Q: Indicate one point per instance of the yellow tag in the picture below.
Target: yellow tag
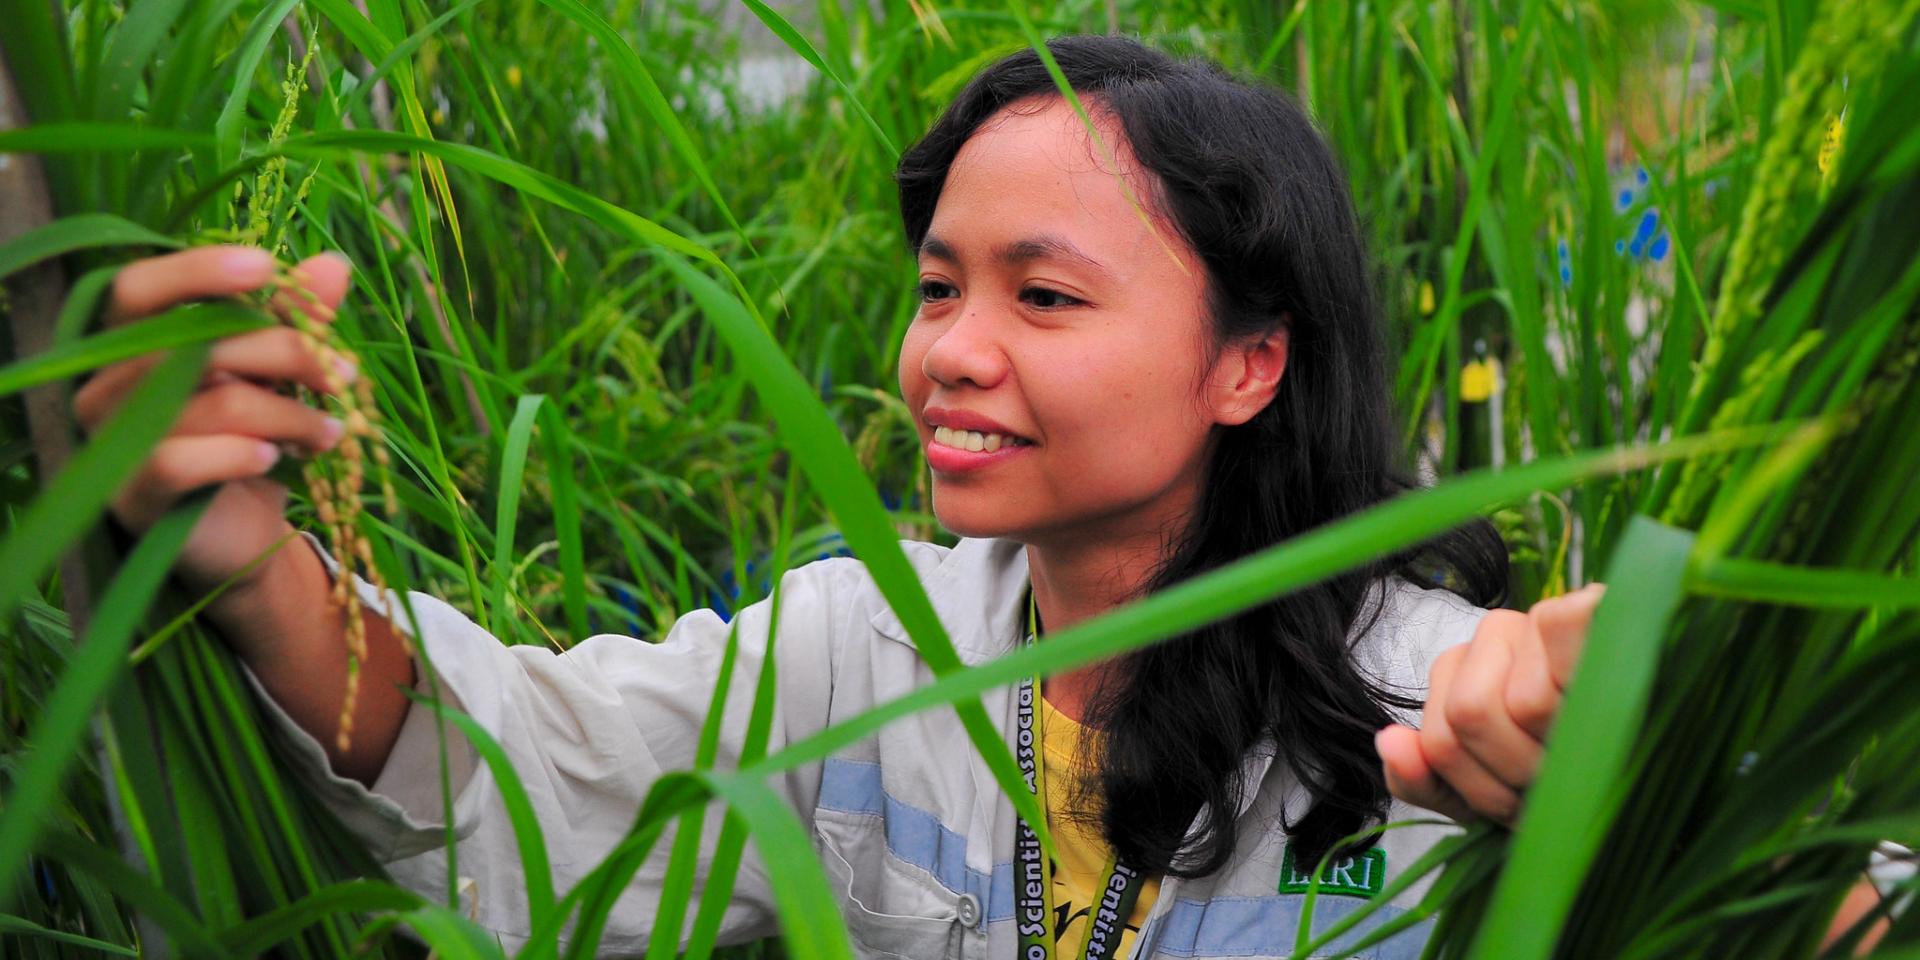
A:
(513, 76)
(1426, 297)
(1477, 380)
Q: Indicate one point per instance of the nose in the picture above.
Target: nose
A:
(967, 352)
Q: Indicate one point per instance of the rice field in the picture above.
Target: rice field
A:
(629, 288)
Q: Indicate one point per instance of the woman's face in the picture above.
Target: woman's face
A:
(1060, 369)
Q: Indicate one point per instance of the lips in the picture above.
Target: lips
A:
(963, 441)
(956, 419)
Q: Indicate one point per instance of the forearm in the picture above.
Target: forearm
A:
(285, 630)
(1863, 899)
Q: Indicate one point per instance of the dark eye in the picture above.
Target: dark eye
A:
(931, 290)
(1043, 298)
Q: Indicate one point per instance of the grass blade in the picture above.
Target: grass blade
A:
(1304, 560)
(98, 662)
(1576, 795)
(74, 500)
(180, 327)
(86, 231)
(513, 467)
(513, 795)
(818, 447)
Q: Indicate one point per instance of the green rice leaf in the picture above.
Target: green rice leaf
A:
(536, 868)
(267, 931)
(246, 60)
(566, 521)
(88, 137)
(74, 500)
(401, 51)
(810, 924)
(1275, 571)
(808, 432)
(86, 231)
(513, 466)
(106, 867)
(799, 44)
(665, 119)
(1757, 581)
(195, 323)
(669, 797)
(134, 43)
(452, 936)
(495, 167)
(83, 304)
(21, 926)
(1578, 790)
(36, 47)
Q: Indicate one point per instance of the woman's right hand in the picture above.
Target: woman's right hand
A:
(231, 430)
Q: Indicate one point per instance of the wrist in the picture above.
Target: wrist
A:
(250, 597)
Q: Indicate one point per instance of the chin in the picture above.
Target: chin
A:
(974, 520)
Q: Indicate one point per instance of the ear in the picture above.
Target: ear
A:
(1246, 376)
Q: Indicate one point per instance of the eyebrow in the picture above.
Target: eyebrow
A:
(1018, 252)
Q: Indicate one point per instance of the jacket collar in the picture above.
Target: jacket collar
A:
(975, 577)
(991, 576)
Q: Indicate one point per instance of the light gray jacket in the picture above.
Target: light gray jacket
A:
(915, 835)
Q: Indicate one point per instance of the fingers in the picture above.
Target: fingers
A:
(1410, 778)
(179, 465)
(1532, 695)
(326, 277)
(1490, 705)
(272, 355)
(1563, 622)
(145, 287)
(102, 394)
(275, 354)
(251, 411)
(1482, 789)
(1476, 703)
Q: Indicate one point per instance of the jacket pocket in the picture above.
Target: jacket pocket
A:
(893, 909)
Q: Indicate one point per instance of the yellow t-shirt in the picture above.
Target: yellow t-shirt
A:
(1083, 851)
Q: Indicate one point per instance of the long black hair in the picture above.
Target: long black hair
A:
(1253, 188)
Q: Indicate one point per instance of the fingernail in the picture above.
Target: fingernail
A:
(331, 431)
(348, 372)
(269, 454)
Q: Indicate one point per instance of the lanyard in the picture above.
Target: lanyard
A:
(1033, 873)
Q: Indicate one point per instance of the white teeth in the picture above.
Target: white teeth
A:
(973, 440)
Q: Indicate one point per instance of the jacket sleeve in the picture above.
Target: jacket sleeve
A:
(588, 731)
(1406, 628)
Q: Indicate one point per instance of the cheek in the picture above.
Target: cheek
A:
(1135, 418)
(913, 350)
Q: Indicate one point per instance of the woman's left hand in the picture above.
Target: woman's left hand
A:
(1490, 702)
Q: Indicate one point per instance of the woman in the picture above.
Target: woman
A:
(1135, 359)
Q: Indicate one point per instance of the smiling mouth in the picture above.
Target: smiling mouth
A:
(976, 441)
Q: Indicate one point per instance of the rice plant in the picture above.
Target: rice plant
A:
(626, 324)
